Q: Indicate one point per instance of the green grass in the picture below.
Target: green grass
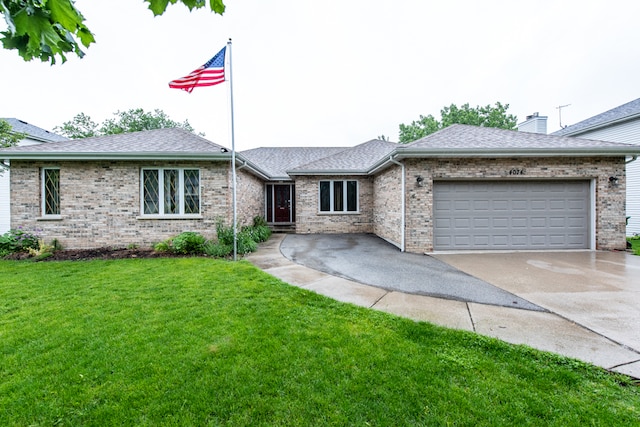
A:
(635, 244)
(195, 341)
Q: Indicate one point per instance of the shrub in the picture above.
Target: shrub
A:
(247, 237)
(43, 251)
(17, 241)
(259, 221)
(189, 243)
(217, 249)
(164, 246)
(246, 244)
(225, 234)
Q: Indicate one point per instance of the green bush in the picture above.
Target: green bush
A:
(189, 243)
(17, 240)
(259, 233)
(259, 221)
(248, 237)
(245, 243)
(217, 249)
(164, 246)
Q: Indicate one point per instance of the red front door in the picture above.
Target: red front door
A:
(282, 203)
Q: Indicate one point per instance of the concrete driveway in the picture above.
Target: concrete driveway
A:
(580, 304)
(597, 290)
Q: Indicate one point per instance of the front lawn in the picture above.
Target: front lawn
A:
(195, 341)
(635, 244)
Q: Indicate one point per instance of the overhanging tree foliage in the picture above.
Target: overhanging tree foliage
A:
(45, 29)
(8, 138)
(487, 116)
(134, 120)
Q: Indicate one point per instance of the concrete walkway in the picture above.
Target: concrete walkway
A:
(538, 329)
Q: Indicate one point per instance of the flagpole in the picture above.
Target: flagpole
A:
(233, 160)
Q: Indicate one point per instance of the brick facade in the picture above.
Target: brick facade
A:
(250, 196)
(609, 205)
(100, 203)
(309, 219)
(387, 205)
(100, 200)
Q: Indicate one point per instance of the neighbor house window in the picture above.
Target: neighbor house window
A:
(50, 191)
(338, 196)
(170, 191)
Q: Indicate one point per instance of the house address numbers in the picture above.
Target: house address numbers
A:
(516, 171)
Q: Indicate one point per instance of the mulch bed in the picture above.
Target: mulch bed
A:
(98, 253)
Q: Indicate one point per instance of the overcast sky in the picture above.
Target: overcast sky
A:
(338, 72)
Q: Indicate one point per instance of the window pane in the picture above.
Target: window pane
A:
(191, 191)
(171, 191)
(352, 196)
(150, 191)
(325, 196)
(269, 203)
(51, 191)
(338, 196)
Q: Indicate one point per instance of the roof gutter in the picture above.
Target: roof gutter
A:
(403, 204)
(112, 156)
(339, 172)
(251, 167)
(483, 153)
(601, 125)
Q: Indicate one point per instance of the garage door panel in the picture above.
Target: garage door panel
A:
(511, 215)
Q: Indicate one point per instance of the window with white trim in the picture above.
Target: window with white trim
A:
(50, 191)
(338, 196)
(170, 191)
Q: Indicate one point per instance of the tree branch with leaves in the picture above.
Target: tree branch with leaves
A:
(8, 137)
(46, 29)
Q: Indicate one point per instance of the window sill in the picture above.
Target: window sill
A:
(147, 217)
(50, 218)
(339, 213)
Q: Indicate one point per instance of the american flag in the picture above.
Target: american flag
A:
(210, 74)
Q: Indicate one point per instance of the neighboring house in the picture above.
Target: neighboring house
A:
(33, 135)
(620, 124)
(462, 188)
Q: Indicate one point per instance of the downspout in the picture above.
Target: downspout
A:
(404, 191)
(633, 159)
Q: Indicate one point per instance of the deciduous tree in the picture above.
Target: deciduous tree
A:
(8, 138)
(134, 120)
(488, 116)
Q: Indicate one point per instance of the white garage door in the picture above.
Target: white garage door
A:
(511, 215)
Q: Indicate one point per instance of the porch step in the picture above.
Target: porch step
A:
(283, 228)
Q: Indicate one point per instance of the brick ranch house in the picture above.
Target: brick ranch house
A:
(462, 188)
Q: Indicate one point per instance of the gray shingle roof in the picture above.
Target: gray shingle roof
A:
(276, 161)
(20, 126)
(359, 159)
(457, 140)
(620, 113)
(159, 143)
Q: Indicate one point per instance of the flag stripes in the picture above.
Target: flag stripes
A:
(209, 74)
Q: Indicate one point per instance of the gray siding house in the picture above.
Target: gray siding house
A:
(620, 124)
(462, 188)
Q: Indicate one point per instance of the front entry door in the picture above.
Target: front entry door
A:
(282, 203)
